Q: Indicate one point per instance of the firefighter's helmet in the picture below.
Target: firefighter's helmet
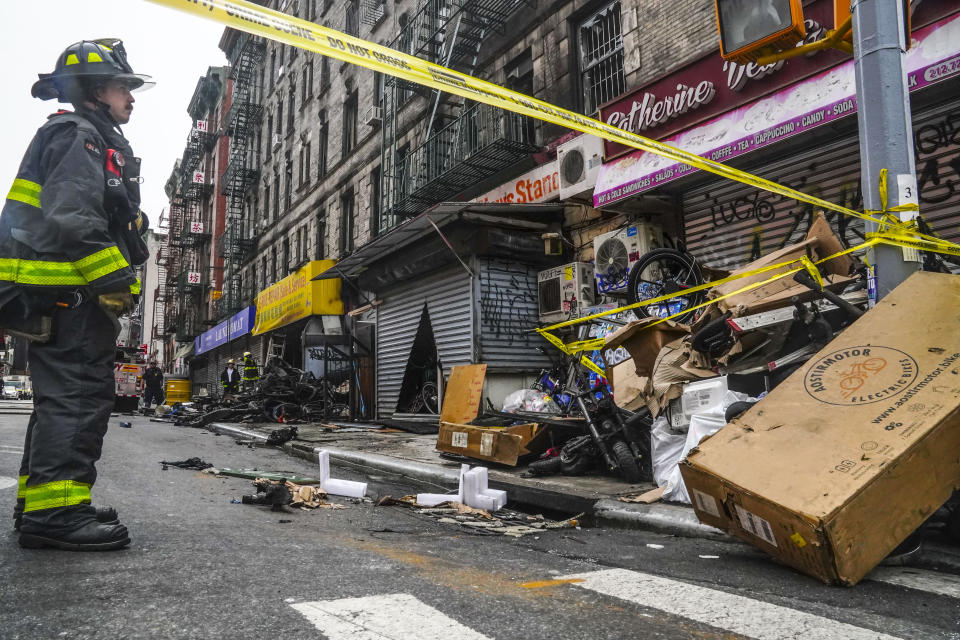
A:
(84, 63)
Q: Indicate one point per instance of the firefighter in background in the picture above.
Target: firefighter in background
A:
(152, 385)
(70, 231)
(230, 379)
(251, 372)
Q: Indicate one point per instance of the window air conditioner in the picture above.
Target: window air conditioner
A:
(616, 252)
(580, 160)
(372, 116)
(563, 291)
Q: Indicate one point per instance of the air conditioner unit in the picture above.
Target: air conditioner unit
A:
(616, 252)
(372, 116)
(277, 141)
(579, 162)
(564, 290)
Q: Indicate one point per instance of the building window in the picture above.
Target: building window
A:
(375, 202)
(288, 186)
(311, 10)
(349, 124)
(351, 22)
(346, 222)
(269, 136)
(322, 141)
(286, 256)
(273, 68)
(300, 166)
(306, 162)
(307, 87)
(264, 274)
(519, 72)
(273, 264)
(324, 73)
(280, 116)
(600, 52)
(276, 196)
(291, 101)
(320, 239)
(266, 203)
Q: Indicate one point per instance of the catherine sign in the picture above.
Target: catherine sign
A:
(789, 112)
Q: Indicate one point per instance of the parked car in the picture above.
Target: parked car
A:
(10, 393)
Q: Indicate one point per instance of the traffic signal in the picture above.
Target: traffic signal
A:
(750, 29)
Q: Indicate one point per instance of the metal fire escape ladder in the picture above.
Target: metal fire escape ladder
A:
(238, 178)
(450, 33)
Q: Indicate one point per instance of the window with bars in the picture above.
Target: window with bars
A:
(600, 53)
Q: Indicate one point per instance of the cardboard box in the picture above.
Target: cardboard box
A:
(849, 455)
(505, 445)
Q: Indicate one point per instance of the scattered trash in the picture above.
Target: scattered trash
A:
(481, 522)
(710, 557)
(284, 521)
(278, 437)
(654, 546)
(279, 493)
(253, 474)
(126, 425)
(189, 463)
(235, 501)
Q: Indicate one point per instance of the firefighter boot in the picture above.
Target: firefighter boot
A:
(104, 515)
(91, 536)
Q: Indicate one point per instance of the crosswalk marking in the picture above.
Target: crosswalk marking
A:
(738, 614)
(7, 448)
(397, 616)
(7, 482)
(943, 584)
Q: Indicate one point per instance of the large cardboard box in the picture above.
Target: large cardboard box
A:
(505, 445)
(849, 455)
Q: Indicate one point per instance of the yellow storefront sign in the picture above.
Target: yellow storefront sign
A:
(298, 296)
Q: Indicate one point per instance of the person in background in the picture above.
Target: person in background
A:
(152, 385)
(230, 379)
(251, 372)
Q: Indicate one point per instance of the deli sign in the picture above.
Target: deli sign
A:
(710, 86)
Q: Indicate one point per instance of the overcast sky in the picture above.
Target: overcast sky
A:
(173, 47)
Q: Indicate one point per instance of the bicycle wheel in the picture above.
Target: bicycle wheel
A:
(664, 272)
(430, 396)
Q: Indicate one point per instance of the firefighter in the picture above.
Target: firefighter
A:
(152, 385)
(251, 373)
(70, 230)
(230, 379)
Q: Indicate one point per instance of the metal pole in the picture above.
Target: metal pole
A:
(886, 131)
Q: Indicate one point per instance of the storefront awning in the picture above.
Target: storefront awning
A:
(443, 214)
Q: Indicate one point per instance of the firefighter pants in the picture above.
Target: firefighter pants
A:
(73, 388)
(151, 396)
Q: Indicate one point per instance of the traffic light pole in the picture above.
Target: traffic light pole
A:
(886, 132)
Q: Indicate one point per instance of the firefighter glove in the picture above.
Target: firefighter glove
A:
(117, 303)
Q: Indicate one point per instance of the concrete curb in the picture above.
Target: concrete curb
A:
(664, 518)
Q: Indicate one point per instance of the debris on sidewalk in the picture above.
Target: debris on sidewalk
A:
(505, 522)
(190, 463)
(839, 464)
(253, 474)
(472, 490)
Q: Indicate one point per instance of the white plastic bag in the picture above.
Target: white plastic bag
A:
(529, 400)
(666, 447)
(701, 425)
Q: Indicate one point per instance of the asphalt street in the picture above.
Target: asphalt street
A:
(201, 566)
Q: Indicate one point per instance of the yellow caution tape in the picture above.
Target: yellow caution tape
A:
(274, 25)
(293, 31)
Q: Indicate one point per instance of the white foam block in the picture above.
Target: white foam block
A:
(348, 488)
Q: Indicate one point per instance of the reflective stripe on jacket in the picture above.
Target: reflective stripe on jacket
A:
(250, 370)
(60, 226)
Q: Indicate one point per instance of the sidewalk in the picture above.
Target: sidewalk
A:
(370, 450)
(415, 458)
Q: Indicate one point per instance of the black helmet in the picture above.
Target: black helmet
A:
(90, 61)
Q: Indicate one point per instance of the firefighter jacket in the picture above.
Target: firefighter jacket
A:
(71, 220)
(153, 378)
(251, 372)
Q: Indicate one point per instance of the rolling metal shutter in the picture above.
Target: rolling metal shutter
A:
(448, 296)
(728, 224)
(508, 310)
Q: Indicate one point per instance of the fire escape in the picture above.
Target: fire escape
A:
(240, 176)
(464, 141)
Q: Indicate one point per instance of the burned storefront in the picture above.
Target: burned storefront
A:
(456, 285)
